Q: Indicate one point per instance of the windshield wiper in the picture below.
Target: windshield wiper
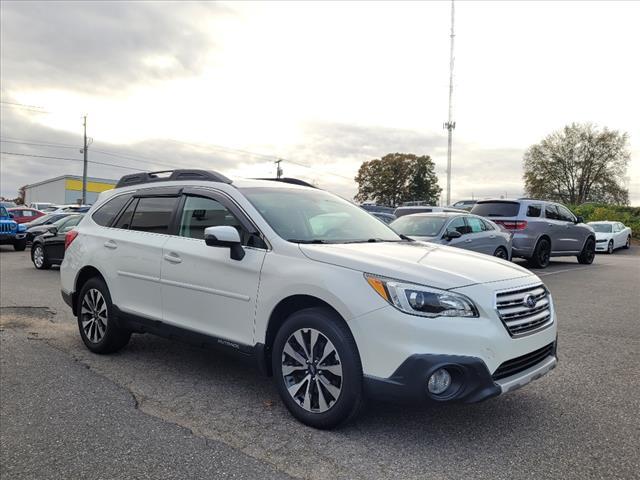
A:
(405, 238)
(315, 240)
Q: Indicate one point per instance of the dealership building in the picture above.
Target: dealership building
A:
(66, 189)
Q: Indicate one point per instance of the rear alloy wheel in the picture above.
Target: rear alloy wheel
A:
(541, 254)
(501, 253)
(610, 247)
(588, 252)
(628, 244)
(317, 369)
(99, 332)
(39, 257)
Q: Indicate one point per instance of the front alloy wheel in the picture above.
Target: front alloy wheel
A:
(588, 252)
(610, 247)
(311, 370)
(39, 258)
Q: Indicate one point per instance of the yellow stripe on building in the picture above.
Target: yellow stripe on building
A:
(91, 186)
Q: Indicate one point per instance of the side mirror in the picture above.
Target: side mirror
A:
(451, 234)
(225, 236)
(580, 219)
(53, 230)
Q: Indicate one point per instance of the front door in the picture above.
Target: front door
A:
(203, 288)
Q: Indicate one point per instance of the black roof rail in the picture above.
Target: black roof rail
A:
(293, 181)
(171, 175)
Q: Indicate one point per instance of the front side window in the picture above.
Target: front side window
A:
(199, 213)
(565, 214)
(475, 224)
(458, 224)
(153, 214)
(316, 216)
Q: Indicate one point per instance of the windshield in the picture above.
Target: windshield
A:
(316, 216)
(601, 227)
(3, 212)
(418, 225)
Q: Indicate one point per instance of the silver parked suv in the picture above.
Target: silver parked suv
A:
(541, 229)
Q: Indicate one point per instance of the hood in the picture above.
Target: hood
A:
(428, 264)
(603, 235)
(434, 239)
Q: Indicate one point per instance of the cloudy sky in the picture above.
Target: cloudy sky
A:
(325, 86)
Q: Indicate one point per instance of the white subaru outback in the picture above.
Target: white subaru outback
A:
(319, 293)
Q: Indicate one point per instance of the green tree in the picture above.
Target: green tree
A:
(397, 178)
(578, 164)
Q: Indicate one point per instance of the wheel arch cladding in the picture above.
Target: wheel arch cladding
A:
(285, 308)
(83, 276)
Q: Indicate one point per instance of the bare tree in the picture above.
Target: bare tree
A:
(579, 164)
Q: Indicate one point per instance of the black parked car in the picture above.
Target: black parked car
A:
(41, 225)
(48, 248)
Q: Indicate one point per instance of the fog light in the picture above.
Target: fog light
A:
(439, 381)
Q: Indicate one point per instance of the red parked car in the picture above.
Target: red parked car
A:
(24, 215)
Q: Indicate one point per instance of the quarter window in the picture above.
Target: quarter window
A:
(534, 210)
(105, 215)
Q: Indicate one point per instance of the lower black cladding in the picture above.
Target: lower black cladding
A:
(470, 380)
(519, 364)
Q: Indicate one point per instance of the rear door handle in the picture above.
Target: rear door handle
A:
(492, 236)
(111, 244)
(172, 257)
(550, 224)
(468, 240)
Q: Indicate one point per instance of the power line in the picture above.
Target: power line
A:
(31, 108)
(37, 142)
(74, 147)
(72, 160)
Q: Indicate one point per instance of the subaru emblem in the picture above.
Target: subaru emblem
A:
(530, 301)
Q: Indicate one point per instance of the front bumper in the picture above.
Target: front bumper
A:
(11, 239)
(602, 246)
(471, 380)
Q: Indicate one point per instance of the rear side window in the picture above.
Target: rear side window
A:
(153, 214)
(551, 212)
(105, 215)
(496, 209)
(488, 226)
(475, 224)
(534, 210)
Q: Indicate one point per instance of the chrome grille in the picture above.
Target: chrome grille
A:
(521, 318)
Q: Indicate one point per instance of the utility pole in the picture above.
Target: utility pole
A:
(84, 163)
(278, 169)
(450, 125)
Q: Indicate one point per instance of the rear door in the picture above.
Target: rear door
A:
(555, 228)
(55, 244)
(203, 288)
(478, 236)
(131, 250)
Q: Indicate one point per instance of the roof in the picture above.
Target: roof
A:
(72, 177)
(439, 214)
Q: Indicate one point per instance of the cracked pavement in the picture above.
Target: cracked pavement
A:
(164, 409)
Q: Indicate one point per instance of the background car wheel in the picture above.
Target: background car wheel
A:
(96, 321)
(628, 244)
(588, 252)
(317, 369)
(39, 257)
(610, 247)
(501, 252)
(20, 245)
(541, 254)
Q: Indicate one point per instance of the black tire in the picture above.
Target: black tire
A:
(20, 245)
(501, 252)
(98, 335)
(588, 252)
(541, 254)
(332, 333)
(628, 244)
(610, 247)
(39, 257)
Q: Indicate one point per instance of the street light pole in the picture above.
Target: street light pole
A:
(450, 125)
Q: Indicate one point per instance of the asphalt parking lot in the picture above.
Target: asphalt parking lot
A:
(164, 409)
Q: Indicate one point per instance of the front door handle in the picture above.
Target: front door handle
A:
(172, 257)
(468, 240)
(111, 244)
(492, 236)
(550, 224)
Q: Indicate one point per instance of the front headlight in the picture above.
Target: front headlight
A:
(420, 300)
(22, 228)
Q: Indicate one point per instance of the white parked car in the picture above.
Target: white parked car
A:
(611, 235)
(313, 289)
